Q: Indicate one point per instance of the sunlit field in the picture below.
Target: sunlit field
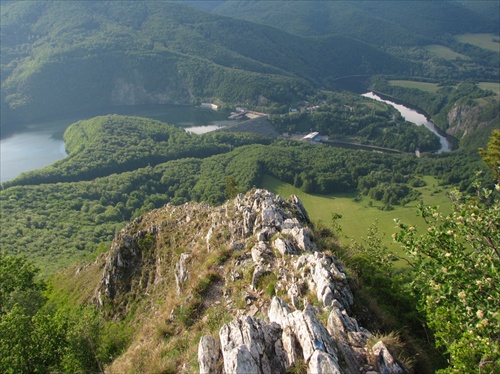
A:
(424, 86)
(445, 52)
(486, 41)
(490, 86)
(358, 216)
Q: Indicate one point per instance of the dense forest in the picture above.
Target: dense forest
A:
(112, 176)
(166, 52)
(404, 22)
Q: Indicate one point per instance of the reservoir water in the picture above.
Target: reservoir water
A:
(28, 151)
(41, 143)
(413, 116)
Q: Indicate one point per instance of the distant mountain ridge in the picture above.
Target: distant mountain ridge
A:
(60, 57)
(378, 22)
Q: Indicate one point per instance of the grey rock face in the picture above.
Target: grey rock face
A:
(384, 361)
(306, 329)
(249, 345)
(208, 354)
(181, 273)
(323, 363)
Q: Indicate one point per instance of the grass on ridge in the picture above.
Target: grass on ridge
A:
(358, 216)
(423, 86)
(490, 86)
(486, 41)
(445, 52)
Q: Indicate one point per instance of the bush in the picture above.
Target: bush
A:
(457, 267)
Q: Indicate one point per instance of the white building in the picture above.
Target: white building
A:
(311, 137)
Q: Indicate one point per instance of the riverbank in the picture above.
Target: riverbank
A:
(419, 119)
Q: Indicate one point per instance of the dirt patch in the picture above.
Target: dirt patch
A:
(258, 125)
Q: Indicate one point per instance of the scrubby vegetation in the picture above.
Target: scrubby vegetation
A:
(37, 335)
(456, 264)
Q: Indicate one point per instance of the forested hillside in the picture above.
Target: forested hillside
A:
(377, 22)
(405, 29)
(62, 57)
(144, 164)
(59, 57)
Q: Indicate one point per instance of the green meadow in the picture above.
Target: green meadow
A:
(358, 216)
(490, 86)
(434, 87)
(424, 86)
(486, 41)
(444, 52)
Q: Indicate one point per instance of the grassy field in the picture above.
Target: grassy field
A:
(444, 52)
(486, 41)
(490, 86)
(424, 86)
(358, 216)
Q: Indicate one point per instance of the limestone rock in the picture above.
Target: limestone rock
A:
(323, 363)
(249, 346)
(294, 292)
(284, 246)
(308, 331)
(301, 238)
(208, 354)
(344, 331)
(181, 273)
(299, 207)
(328, 281)
(384, 361)
(259, 252)
(208, 237)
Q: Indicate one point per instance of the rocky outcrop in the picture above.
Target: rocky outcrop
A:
(208, 354)
(284, 248)
(181, 273)
(290, 302)
(130, 89)
(250, 345)
(306, 334)
(384, 361)
(465, 119)
(125, 261)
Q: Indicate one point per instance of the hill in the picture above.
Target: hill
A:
(59, 57)
(121, 167)
(248, 286)
(376, 22)
(253, 286)
(409, 30)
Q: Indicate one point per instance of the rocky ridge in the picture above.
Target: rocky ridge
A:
(289, 302)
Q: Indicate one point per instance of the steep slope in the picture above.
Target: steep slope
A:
(473, 122)
(244, 286)
(59, 57)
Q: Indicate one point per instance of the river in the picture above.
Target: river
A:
(413, 116)
(39, 144)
